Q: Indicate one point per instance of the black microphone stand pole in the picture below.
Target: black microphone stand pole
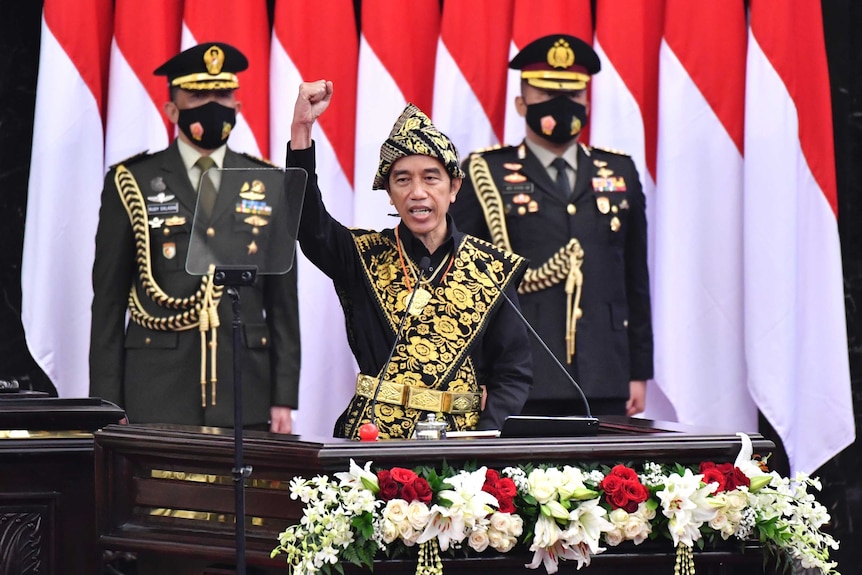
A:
(234, 277)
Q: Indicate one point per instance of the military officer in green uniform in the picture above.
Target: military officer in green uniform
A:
(578, 214)
(172, 361)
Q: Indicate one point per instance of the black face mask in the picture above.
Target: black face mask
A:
(558, 120)
(207, 126)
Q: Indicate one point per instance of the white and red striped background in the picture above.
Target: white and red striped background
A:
(726, 114)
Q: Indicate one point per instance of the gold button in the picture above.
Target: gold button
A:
(167, 231)
(571, 209)
(210, 232)
(522, 210)
(263, 341)
(614, 209)
(255, 231)
(148, 341)
(625, 323)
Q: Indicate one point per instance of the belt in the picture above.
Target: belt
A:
(419, 398)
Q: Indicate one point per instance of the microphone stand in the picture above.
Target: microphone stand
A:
(588, 423)
(234, 277)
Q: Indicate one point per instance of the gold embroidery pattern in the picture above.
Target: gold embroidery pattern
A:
(491, 201)
(433, 350)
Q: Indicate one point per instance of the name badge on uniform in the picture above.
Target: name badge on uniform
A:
(172, 208)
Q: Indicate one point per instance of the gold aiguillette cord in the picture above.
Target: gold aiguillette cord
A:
(574, 282)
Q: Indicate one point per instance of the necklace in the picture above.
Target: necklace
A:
(422, 296)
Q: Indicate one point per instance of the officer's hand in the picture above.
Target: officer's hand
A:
(280, 420)
(637, 398)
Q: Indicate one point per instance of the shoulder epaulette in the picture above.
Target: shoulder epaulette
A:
(491, 149)
(257, 160)
(609, 150)
(132, 159)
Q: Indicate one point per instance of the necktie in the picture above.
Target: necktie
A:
(563, 186)
(206, 189)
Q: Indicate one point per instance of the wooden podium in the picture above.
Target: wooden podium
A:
(47, 501)
(166, 492)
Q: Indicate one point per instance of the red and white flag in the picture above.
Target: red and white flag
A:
(244, 24)
(533, 19)
(397, 51)
(795, 332)
(66, 174)
(697, 301)
(624, 109)
(328, 376)
(471, 72)
(136, 96)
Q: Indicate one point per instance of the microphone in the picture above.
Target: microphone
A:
(424, 264)
(521, 425)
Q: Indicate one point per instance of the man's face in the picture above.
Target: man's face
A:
(187, 99)
(421, 190)
(532, 95)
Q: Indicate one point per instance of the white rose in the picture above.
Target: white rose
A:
(478, 540)
(516, 526)
(637, 530)
(396, 510)
(388, 531)
(501, 522)
(496, 539)
(618, 517)
(418, 515)
(508, 544)
(614, 537)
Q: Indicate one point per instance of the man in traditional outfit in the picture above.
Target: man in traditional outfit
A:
(459, 335)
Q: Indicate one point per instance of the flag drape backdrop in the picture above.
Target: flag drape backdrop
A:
(726, 114)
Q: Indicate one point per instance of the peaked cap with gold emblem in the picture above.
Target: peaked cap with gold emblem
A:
(209, 66)
(414, 135)
(557, 62)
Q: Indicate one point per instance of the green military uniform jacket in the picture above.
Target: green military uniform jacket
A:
(155, 374)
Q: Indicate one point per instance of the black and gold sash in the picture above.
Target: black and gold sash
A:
(430, 370)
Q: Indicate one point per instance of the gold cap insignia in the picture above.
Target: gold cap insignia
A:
(214, 60)
(561, 54)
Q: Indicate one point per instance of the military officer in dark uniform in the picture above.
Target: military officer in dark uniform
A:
(578, 214)
(172, 362)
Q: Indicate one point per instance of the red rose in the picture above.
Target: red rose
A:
(713, 475)
(507, 506)
(388, 488)
(624, 472)
(491, 476)
(506, 487)
(423, 490)
(611, 483)
(704, 465)
(403, 476)
(635, 491)
(737, 478)
(408, 493)
(384, 475)
(618, 498)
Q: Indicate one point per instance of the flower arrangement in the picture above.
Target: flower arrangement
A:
(559, 513)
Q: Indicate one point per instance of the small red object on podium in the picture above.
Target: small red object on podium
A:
(368, 432)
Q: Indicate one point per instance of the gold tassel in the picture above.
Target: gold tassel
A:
(429, 559)
(684, 560)
(574, 283)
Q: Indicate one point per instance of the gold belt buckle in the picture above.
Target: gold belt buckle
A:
(458, 403)
(424, 399)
